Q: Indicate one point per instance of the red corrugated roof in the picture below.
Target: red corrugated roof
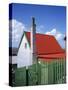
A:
(46, 45)
(52, 56)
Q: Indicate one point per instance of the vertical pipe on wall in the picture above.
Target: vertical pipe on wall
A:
(33, 41)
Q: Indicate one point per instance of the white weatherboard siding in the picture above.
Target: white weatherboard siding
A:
(13, 59)
(24, 56)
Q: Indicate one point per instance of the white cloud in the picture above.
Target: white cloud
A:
(16, 29)
(40, 29)
(56, 33)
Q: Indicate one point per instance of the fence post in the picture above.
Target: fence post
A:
(26, 75)
(37, 69)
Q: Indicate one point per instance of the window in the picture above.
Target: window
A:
(25, 45)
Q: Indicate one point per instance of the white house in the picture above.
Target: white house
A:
(33, 46)
(23, 55)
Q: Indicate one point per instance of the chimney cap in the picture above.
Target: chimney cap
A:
(33, 17)
(33, 20)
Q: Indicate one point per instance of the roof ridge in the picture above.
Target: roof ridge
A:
(39, 33)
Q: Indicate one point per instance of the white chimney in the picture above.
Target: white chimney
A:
(33, 41)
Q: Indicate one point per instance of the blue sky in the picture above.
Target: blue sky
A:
(49, 20)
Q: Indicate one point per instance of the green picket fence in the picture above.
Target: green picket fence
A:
(32, 75)
(20, 77)
(24, 77)
(41, 73)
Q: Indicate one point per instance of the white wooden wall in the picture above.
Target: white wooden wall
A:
(24, 54)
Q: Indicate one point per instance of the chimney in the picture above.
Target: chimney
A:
(33, 41)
